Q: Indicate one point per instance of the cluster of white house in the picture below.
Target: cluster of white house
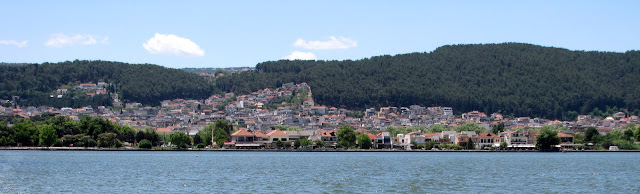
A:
(514, 139)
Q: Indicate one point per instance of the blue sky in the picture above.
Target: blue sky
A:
(243, 33)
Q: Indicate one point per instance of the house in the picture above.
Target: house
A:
(513, 137)
(566, 141)
(417, 137)
(516, 140)
(242, 136)
(295, 135)
(318, 110)
(462, 140)
(486, 140)
(382, 140)
(87, 86)
(230, 108)
(447, 111)
(244, 139)
(275, 135)
(429, 137)
(328, 136)
(260, 137)
(401, 141)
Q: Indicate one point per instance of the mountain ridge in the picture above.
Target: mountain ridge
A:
(512, 78)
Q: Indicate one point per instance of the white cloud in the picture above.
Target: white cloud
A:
(300, 55)
(62, 40)
(333, 43)
(13, 43)
(172, 45)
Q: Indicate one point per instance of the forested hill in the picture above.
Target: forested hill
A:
(147, 84)
(511, 78)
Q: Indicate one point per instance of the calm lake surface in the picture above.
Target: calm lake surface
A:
(316, 172)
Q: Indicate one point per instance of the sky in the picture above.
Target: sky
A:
(180, 34)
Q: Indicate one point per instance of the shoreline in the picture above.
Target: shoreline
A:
(282, 150)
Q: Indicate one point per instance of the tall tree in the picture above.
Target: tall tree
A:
(590, 134)
(221, 132)
(364, 142)
(547, 139)
(180, 139)
(497, 128)
(48, 135)
(346, 137)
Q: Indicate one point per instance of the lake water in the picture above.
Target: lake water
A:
(316, 172)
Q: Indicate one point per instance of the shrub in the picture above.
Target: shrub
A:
(146, 144)
(58, 143)
(90, 143)
(430, 145)
(444, 146)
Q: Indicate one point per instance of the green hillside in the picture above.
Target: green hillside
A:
(147, 84)
(512, 78)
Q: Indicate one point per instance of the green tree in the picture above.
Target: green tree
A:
(145, 144)
(180, 139)
(470, 126)
(591, 134)
(196, 140)
(48, 135)
(430, 145)
(63, 125)
(297, 144)
(140, 136)
(394, 131)
(320, 144)
(547, 139)
(346, 137)
(151, 135)
(107, 140)
(6, 134)
(470, 145)
(25, 133)
(205, 134)
(437, 128)
(636, 133)
(279, 144)
(222, 130)
(305, 142)
(364, 142)
(498, 128)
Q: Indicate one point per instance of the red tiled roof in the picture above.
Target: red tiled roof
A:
(164, 129)
(560, 134)
(430, 135)
(241, 132)
(260, 134)
(277, 133)
(487, 135)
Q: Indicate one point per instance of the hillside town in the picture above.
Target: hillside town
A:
(288, 113)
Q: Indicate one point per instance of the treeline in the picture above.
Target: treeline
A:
(63, 131)
(145, 83)
(511, 78)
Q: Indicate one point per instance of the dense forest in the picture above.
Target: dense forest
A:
(50, 130)
(147, 84)
(511, 78)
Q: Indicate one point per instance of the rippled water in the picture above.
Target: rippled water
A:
(287, 172)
